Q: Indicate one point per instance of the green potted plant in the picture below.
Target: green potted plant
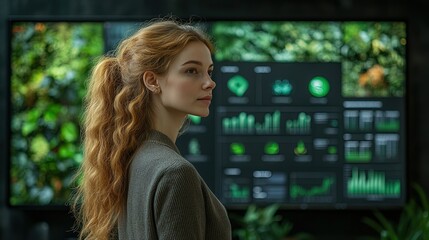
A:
(413, 223)
(263, 223)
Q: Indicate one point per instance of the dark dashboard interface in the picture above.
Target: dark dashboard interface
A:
(285, 134)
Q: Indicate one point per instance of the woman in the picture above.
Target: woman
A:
(135, 184)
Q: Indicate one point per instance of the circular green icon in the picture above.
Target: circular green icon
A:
(237, 148)
(319, 87)
(300, 148)
(271, 148)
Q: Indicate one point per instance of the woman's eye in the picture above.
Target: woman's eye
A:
(210, 72)
(192, 71)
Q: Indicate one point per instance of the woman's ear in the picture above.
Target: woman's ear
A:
(151, 82)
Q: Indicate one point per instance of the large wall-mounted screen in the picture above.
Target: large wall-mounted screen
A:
(305, 114)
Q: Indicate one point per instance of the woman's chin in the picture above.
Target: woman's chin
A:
(202, 114)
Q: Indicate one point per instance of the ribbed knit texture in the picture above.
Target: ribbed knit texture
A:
(167, 198)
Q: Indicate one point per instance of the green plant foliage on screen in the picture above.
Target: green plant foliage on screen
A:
(277, 41)
(374, 59)
(372, 54)
(50, 64)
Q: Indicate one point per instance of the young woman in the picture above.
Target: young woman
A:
(135, 184)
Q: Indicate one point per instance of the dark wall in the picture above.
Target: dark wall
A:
(21, 224)
(4, 217)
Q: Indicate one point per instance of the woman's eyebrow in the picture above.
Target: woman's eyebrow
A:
(195, 62)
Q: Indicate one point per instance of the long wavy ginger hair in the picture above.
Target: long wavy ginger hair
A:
(117, 119)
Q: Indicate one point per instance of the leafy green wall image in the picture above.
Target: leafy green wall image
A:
(372, 53)
(374, 59)
(277, 41)
(50, 64)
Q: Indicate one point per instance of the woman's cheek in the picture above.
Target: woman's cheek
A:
(185, 88)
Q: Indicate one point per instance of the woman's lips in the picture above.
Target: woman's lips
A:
(209, 98)
(206, 99)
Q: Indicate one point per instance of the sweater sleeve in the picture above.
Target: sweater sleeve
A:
(179, 204)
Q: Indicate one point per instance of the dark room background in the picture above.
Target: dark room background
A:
(324, 224)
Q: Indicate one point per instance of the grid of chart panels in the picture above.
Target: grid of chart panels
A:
(285, 134)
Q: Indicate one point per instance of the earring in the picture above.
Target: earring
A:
(157, 90)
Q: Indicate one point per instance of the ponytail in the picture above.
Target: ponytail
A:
(102, 89)
(113, 129)
(98, 129)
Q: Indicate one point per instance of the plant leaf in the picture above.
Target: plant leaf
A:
(386, 224)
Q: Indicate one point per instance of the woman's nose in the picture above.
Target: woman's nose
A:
(209, 83)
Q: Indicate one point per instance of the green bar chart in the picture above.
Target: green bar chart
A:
(245, 123)
(300, 125)
(387, 121)
(351, 120)
(363, 183)
(361, 121)
(236, 190)
(366, 120)
(358, 151)
(386, 146)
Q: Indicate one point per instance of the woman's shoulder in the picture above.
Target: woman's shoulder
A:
(162, 158)
(154, 148)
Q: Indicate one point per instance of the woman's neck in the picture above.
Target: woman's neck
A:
(169, 122)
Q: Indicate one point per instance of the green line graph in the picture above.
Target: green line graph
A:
(297, 191)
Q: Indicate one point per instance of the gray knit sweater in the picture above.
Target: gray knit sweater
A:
(167, 198)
